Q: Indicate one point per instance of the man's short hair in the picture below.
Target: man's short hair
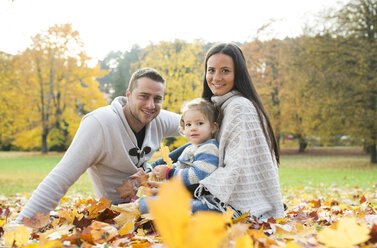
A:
(145, 72)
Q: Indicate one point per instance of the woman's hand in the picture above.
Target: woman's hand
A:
(160, 171)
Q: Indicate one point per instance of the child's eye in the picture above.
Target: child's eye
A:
(201, 123)
(188, 125)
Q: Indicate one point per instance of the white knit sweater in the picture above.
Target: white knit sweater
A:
(101, 146)
(247, 177)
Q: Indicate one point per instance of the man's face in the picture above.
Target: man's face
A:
(144, 102)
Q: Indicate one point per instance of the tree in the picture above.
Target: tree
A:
(11, 111)
(266, 67)
(109, 63)
(124, 71)
(356, 24)
(59, 85)
(181, 64)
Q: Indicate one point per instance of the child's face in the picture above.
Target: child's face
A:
(198, 129)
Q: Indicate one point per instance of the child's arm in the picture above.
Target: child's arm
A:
(206, 160)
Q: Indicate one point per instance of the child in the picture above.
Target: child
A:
(199, 123)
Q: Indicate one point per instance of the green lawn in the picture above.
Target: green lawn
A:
(22, 174)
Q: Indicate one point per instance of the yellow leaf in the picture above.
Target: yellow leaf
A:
(20, 236)
(205, 229)
(127, 228)
(171, 212)
(244, 242)
(129, 212)
(292, 245)
(347, 234)
(165, 155)
(97, 207)
(228, 216)
(49, 244)
(102, 232)
(2, 223)
(178, 229)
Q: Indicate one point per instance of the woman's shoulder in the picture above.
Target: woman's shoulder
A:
(240, 103)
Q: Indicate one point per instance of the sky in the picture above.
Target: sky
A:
(116, 25)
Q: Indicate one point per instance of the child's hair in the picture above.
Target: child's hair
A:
(207, 108)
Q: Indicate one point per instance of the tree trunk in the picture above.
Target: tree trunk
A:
(44, 141)
(373, 154)
(302, 144)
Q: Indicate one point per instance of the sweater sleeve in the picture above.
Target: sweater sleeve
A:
(205, 161)
(86, 149)
(248, 177)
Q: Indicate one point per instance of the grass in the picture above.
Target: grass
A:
(22, 172)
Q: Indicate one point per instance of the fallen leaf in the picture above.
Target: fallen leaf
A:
(347, 234)
(18, 237)
(38, 221)
(171, 212)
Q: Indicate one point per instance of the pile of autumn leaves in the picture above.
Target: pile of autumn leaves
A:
(342, 218)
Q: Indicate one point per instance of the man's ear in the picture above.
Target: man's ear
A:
(128, 93)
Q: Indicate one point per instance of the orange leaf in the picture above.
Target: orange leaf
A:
(38, 221)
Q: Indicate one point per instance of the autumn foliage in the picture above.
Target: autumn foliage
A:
(331, 218)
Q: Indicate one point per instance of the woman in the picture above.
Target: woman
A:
(247, 178)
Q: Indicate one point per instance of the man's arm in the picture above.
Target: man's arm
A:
(86, 149)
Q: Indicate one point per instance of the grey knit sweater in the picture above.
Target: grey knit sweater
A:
(247, 177)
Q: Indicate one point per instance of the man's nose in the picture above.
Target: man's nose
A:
(150, 103)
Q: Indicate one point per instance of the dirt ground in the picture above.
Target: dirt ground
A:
(317, 151)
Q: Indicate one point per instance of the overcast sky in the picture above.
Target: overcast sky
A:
(106, 25)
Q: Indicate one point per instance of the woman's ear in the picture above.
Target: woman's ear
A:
(214, 128)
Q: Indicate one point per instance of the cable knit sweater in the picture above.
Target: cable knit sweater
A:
(247, 178)
(196, 162)
(101, 146)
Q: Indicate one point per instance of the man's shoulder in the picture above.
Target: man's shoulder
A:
(166, 115)
(102, 114)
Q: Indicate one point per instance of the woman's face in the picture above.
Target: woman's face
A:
(220, 74)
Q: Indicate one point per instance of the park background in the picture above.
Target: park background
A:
(318, 85)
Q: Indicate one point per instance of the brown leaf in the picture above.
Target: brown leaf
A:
(97, 207)
(127, 190)
(38, 221)
(373, 234)
(107, 215)
(86, 235)
(363, 199)
(82, 223)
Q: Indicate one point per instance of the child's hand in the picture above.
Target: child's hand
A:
(160, 171)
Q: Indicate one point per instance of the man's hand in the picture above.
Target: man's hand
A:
(160, 171)
(141, 177)
(127, 190)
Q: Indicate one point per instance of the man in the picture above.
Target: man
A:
(112, 142)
